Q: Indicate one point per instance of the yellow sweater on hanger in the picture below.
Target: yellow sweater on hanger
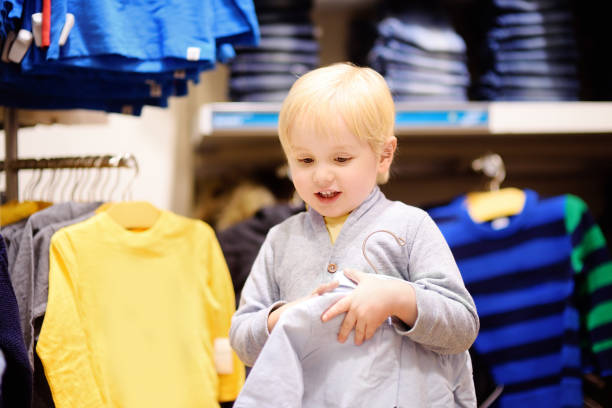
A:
(132, 317)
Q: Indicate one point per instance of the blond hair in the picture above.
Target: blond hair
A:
(357, 95)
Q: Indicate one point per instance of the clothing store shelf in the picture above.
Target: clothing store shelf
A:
(470, 118)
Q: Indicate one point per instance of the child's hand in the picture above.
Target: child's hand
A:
(321, 289)
(370, 304)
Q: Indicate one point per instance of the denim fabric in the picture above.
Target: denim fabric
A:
(504, 33)
(553, 41)
(527, 94)
(536, 67)
(546, 17)
(555, 54)
(420, 30)
(399, 66)
(285, 44)
(381, 54)
(249, 56)
(287, 30)
(403, 47)
(529, 5)
(273, 96)
(423, 88)
(530, 81)
(427, 76)
(534, 52)
(298, 16)
(267, 68)
(258, 83)
(287, 49)
(400, 97)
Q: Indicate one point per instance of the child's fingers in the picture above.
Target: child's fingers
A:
(326, 287)
(347, 325)
(341, 306)
(353, 275)
(360, 331)
(370, 330)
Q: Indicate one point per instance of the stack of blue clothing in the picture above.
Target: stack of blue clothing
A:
(421, 56)
(287, 49)
(118, 56)
(533, 52)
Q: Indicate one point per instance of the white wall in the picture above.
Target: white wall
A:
(151, 138)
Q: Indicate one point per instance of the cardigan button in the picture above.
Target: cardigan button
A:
(332, 268)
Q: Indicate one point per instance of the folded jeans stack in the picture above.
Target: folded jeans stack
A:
(421, 57)
(287, 49)
(534, 52)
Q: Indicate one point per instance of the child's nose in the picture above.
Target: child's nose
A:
(323, 176)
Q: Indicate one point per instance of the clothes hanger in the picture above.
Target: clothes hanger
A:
(16, 210)
(132, 215)
(494, 203)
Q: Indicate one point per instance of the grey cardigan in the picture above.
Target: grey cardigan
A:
(297, 256)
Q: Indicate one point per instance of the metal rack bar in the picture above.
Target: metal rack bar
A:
(10, 145)
(71, 162)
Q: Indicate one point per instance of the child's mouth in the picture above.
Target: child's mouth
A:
(327, 195)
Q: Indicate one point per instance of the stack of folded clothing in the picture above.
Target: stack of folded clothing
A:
(421, 56)
(533, 52)
(114, 56)
(287, 49)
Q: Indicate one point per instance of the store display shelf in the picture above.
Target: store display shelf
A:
(470, 118)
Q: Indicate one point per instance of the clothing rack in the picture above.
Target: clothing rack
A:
(10, 145)
(11, 165)
(72, 162)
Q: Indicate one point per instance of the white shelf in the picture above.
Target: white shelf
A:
(550, 118)
(470, 118)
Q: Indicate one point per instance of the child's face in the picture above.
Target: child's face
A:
(335, 174)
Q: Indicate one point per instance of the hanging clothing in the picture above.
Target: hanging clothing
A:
(12, 235)
(303, 365)
(2, 368)
(35, 263)
(542, 284)
(117, 56)
(132, 316)
(14, 211)
(16, 388)
(241, 242)
(21, 270)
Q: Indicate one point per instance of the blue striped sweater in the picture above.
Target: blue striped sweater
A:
(543, 289)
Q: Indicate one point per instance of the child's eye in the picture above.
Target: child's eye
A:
(306, 160)
(342, 159)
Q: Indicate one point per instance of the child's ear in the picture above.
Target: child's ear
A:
(386, 156)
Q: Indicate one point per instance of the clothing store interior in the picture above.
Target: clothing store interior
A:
(140, 154)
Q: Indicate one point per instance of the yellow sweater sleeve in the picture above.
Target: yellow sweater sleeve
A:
(61, 345)
(221, 289)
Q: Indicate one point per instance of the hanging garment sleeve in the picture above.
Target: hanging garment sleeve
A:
(222, 308)
(68, 367)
